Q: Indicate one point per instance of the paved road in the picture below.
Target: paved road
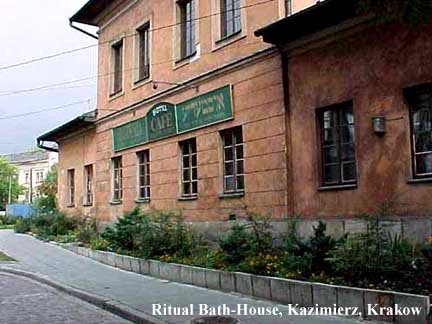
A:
(134, 290)
(25, 301)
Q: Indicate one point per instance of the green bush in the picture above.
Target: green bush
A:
(152, 234)
(246, 240)
(86, 231)
(22, 225)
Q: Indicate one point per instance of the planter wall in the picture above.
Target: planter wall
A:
(284, 291)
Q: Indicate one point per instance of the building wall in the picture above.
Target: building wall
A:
(75, 153)
(258, 108)
(371, 69)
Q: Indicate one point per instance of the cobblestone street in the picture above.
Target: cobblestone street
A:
(25, 301)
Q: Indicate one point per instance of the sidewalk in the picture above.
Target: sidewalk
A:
(137, 291)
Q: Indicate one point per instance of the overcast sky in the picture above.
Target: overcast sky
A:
(31, 29)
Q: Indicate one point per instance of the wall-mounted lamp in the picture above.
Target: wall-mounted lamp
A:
(157, 82)
(379, 125)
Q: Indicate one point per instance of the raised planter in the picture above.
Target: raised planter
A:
(284, 291)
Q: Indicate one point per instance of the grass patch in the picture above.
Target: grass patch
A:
(4, 257)
(6, 227)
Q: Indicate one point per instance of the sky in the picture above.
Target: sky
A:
(31, 29)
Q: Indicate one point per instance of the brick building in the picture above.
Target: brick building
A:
(197, 113)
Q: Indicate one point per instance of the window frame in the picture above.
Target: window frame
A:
(88, 185)
(339, 108)
(409, 94)
(146, 185)
(186, 52)
(70, 187)
(224, 22)
(117, 171)
(192, 164)
(142, 56)
(233, 133)
(117, 46)
(288, 8)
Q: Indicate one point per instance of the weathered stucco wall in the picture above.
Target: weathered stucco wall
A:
(370, 68)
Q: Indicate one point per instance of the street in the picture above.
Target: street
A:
(137, 291)
(25, 301)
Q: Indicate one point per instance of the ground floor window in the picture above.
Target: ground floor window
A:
(71, 187)
(420, 101)
(189, 168)
(143, 174)
(88, 185)
(233, 160)
(338, 162)
(117, 179)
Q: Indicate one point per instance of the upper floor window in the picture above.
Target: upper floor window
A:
(27, 177)
(187, 28)
(143, 52)
(233, 148)
(88, 185)
(117, 67)
(288, 7)
(143, 174)
(71, 187)
(230, 17)
(189, 168)
(39, 176)
(117, 169)
(337, 145)
(420, 101)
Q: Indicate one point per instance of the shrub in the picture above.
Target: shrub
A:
(22, 225)
(152, 234)
(86, 231)
(246, 240)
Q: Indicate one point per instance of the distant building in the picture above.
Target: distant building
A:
(32, 170)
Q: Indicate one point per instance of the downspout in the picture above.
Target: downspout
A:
(82, 30)
(288, 138)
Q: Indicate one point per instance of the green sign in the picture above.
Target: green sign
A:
(130, 134)
(166, 119)
(204, 110)
(161, 121)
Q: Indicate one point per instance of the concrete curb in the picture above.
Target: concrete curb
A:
(104, 303)
(285, 291)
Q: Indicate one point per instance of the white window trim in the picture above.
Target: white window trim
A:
(136, 83)
(217, 41)
(111, 93)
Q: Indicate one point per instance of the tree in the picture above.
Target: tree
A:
(8, 182)
(48, 191)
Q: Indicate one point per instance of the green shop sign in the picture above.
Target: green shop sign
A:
(165, 119)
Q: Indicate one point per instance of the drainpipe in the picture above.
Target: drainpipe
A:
(288, 138)
(82, 30)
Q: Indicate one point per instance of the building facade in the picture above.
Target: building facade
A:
(220, 108)
(32, 168)
(190, 112)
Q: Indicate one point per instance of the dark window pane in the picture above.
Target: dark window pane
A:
(186, 175)
(229, 154)
(347, 153)
(229, 168)
(228, 139)
(331, 173)
(194, 174)
(347, 134)
(349, 171)
(424, 163)
(186, 188)
(331, 155)
(229, 183)
(239, 150)
(240, 182)
(194, 187)
(186, 162)
(330, 136)
(347, 117)
(240, 167)
(423, 141)
(194, 160)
